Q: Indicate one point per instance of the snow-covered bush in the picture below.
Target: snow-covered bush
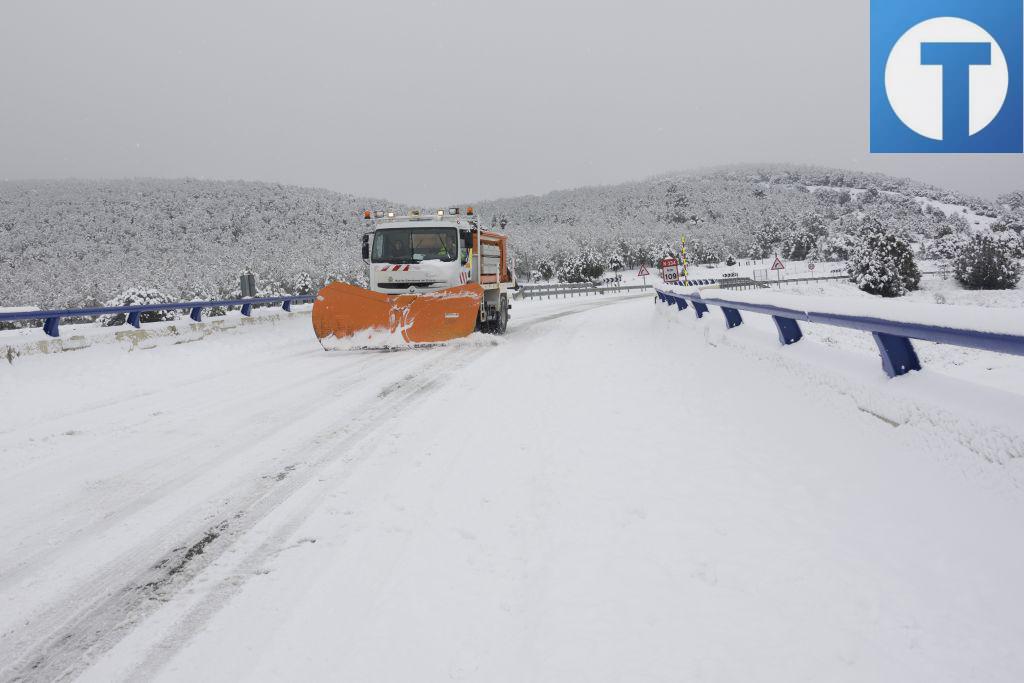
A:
(1010, 221)
(800, 241)
(942, 248)
(988, 261)
(546, 270)
(705, 251)
(834, 247)
(304, 284)
(138, 297)
(765, 241)
(582, 266)
(202, 294)
(882, 262)
(270, 288)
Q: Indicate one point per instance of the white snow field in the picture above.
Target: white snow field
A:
(614, 491)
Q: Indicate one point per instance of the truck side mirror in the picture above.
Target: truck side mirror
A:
(366, 247)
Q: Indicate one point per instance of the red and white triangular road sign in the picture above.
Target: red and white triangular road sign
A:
(778, 265)
(643, 272)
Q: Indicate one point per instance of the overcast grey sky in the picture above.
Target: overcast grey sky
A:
(432, 102)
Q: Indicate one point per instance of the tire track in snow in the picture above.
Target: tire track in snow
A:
(61, 642)
(257, 427)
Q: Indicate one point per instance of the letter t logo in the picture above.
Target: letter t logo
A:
(956, 60)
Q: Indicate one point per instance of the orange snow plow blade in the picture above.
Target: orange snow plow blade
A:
(342, 310)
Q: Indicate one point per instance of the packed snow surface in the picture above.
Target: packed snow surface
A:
(616, 491)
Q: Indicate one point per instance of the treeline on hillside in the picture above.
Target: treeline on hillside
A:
(741, 213)
(74, 243)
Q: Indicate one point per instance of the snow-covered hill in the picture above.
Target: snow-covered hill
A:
(70, 243)
(749, 211)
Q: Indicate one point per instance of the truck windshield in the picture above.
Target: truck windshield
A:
(412, 245)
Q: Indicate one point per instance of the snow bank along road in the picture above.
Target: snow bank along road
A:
(612, 492)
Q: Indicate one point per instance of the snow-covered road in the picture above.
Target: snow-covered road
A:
(611, 492)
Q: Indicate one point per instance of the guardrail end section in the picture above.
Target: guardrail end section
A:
(247, 309)
(789, 330)
(134, 319)
(898, 354)
(197, 314)
(51, 326)
(732, 317)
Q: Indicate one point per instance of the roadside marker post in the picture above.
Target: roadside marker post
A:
(778, 267)
(643, 273)
(669, 270)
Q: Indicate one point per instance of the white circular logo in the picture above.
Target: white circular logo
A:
(915, 89)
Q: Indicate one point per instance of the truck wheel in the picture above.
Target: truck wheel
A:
(501, 324)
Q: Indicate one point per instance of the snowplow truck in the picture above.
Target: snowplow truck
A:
(433, 278)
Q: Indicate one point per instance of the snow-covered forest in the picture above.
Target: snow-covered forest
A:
(73, 243)
(80, 242)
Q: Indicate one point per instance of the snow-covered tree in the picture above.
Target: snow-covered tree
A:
(1010, 221)
(582, 266)
(304, 284)
(988, 261)
(765, 241)
(546, 270)
(803, 239)
(882, 262)
(138, 297)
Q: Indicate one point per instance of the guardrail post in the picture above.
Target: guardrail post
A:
(287, 306)
(898, 355)
(247, 309)
(197, 314)
(134, 319)
(681, 303)
(51, 326)
(699, 308)
(732, 317)
(789, 330)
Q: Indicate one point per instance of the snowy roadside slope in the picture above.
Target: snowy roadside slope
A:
(31, 341)
(737, 523)
(996, 370)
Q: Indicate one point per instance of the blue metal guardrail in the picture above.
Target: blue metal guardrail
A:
(892, 338)
(51, 324)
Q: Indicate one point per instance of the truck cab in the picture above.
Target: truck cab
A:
(423, 253)
(416, 256)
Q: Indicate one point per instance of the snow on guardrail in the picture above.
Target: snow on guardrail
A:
(51, 319)
(892, 323)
